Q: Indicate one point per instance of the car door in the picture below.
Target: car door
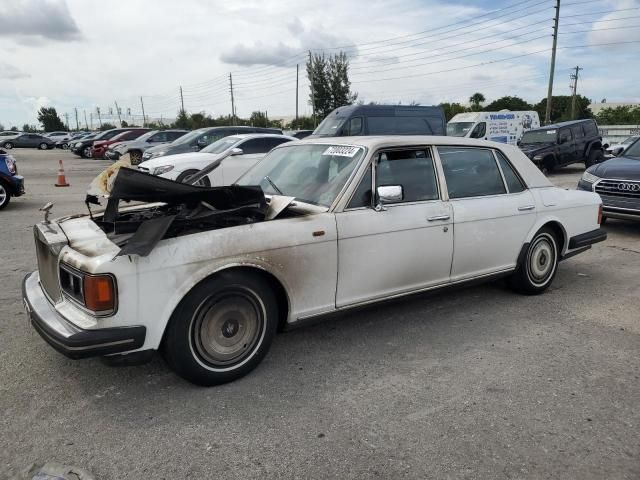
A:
(401, 246)
(33, 140)
(493, 211)
(579, 140)
(234, 166)
(566, 146)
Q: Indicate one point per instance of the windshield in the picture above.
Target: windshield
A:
(459, 129)
(539, 136)
(221, 145)
(628, 140)
(633, 150)
(311, 173)
(187, 137)
(144, 137)
(329, 126)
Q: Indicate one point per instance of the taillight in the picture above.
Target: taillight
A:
(99, 293)
(11, 165)
(600, 215)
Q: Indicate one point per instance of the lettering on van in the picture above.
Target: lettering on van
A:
(502, 116)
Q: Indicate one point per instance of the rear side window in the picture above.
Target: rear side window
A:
(514, 183)
(254, 145)
(412, 169)
(399, 126)
(174, 135)
(274, 142)
(577, 131)
(590, 129)
(471, 172)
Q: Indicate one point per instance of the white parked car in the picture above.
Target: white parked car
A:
(207, 275)
(241, 152)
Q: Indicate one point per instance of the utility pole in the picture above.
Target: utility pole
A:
(85, 120)
(233, 106)
(76, 112)
(144, 119)
(91, 120)
(574, 86)
(297, 70)
(547, 115)
(118, 112)
(99, 117)
(181, 100)
(313, 93)
(66, 120)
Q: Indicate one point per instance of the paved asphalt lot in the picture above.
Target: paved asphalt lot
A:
(476, 383)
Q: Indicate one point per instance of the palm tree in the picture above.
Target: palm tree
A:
(476, 99)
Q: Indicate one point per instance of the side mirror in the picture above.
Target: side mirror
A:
(605, 146)
(389, 194)
(236, 151)
(518, 142)
(201, 143)
(618, 151)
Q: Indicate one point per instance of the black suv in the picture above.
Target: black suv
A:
(563, 143)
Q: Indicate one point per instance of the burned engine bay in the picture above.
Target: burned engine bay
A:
(178, 209)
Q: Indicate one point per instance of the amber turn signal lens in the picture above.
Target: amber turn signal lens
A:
(99, 293)
(600, 215)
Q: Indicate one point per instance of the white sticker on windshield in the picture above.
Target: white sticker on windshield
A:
(551, 132)
(341, 151)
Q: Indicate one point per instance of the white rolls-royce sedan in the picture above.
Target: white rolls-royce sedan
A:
(208, 275)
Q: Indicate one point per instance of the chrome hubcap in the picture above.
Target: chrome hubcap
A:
(227, 327)
(542, 259)
(3, 195)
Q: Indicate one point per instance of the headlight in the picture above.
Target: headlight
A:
(157, 154)
(162, 169)
(78, 144)
(538, 157)
(589, 177)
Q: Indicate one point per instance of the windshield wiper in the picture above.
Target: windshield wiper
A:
(275, 187)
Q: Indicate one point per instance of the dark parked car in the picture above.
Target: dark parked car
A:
(99, 147)
(617, 181)
(83, 146)
(299, 134)
(11, 184)
(564, 143)
(29, 140)
(198, 139)
(137, 147)
(382, 120)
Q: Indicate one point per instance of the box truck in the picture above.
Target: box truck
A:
(504, 126)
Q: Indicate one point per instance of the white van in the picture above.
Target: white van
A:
(504, 126)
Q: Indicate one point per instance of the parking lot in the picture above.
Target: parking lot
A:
(476, 383)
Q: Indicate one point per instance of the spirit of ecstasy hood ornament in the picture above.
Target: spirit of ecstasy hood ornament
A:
(47, 211)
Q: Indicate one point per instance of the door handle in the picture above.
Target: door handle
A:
(526, 207)
(438, 217)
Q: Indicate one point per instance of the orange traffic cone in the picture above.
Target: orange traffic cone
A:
(62, 181)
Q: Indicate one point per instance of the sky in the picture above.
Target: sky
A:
(89, 54)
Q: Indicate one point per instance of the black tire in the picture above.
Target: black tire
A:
(203, 182)
(86, 152)
(43, 146)
(222, 329)
(547, 165)
(5, 195)
(7, 145)
(136, 157)
(65, 146)
(539, 265)
(595, 156)
(603, 220)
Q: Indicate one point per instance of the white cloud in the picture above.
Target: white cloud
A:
(30, 22)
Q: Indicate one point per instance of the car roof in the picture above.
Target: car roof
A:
(383, 141)
(564, 124)
(242, 136)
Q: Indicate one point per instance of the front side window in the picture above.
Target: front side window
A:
(221, 145)
(413, 170)
(362, 195)
(479, 131)
(253, 146)
(355, 126)
(470, 172)
(312, 173)
(158, 137)
(514, 183)
(458, 129)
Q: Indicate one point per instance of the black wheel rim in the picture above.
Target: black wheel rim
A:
(227, 328)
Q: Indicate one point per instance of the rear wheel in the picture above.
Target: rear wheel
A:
(65, 146)
(595, 156)
(43, 146)
(203, 182)
(538, 268)
(5, 196)
(86, 152)
(135, 157)
(8, 145)
(222, 329)
(547, 165)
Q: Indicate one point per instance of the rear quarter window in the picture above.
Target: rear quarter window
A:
(399, 126)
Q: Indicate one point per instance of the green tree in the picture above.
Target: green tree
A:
(106, 126)
(29, 128)
(622, 115)
(259, 119)
(1, 126)
(561, 108)
(452, 109)
(329, 82)
(50, 120)
(476, 101)
(303, 123)
(508, 103)
(14, 129)
(182, 120)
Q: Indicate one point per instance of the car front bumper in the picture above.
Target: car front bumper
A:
(66, 337)
(624, 205)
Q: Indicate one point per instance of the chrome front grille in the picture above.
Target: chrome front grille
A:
(48, 269)
(619, 188)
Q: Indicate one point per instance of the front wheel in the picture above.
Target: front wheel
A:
(184, 176)
(8, 145)
(538, 268)
(86, 152)
(135, 157)
(5, 196)
(222, 329)
(43, 146)
(595, 156)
